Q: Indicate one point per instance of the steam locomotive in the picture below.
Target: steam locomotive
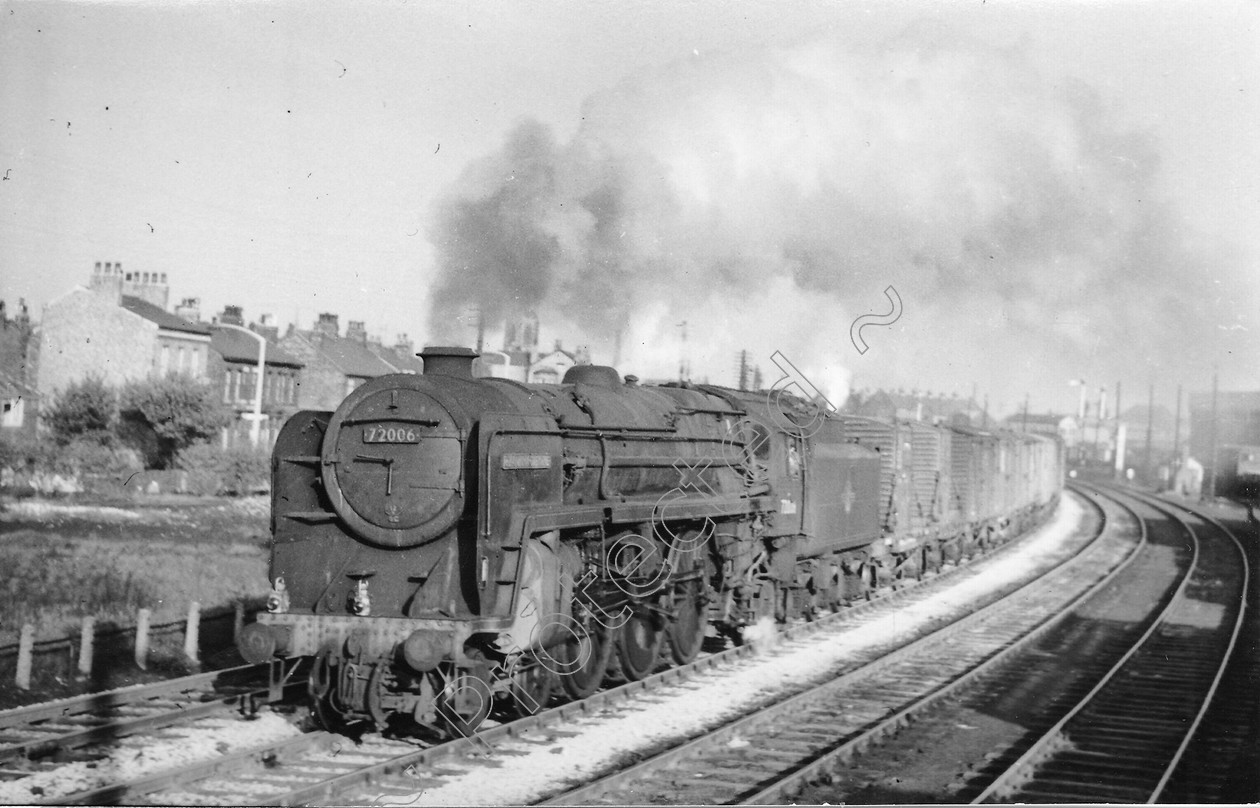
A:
(443, 545)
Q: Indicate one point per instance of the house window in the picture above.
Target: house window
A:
(227, 387)
(165, 364)
(12, 412)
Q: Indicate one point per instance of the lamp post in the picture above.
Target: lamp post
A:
(258, 384)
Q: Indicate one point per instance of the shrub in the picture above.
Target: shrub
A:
(212, 470)
(23, 453)
(164, 416)
(85, 411)
(86, 457)
(21, 459)
(29, 466)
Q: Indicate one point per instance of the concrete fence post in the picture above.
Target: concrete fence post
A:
(142, 638)
(190, 635)
(26, 645)
(87, 639)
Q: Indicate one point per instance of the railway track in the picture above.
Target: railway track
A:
(319, 767)
(60, 728)
(770, 755)
(1127, 738)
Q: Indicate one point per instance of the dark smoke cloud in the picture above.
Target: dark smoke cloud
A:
(768, 198)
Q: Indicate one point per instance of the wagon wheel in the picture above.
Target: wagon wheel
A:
(933, 558)
(583, 660)
(639, 645)
(532, 687)
(686, 632)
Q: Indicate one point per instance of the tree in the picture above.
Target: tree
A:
(162, 416)
(85, 411)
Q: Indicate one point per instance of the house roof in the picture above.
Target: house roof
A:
(349, 356)
(234, 346)
(572, 357)
(402, 362)
(163, 318)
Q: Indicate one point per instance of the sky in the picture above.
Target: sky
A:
(1054, 191)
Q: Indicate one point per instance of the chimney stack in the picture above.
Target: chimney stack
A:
(232, 315)
(189, 309)
(148, 286)
(357, 331)
(327, 326)
(107, 282)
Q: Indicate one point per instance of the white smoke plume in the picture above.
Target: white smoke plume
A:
(767, 199)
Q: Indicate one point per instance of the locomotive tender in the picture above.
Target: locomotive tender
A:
(442, 542)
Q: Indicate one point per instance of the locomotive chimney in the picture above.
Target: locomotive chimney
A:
(448, 361)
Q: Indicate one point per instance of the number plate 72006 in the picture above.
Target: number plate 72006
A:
(391, 434)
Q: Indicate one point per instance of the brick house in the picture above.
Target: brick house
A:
(334, 365)
(117, 328)
(233, 369)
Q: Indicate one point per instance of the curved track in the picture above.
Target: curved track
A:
(1126, 738)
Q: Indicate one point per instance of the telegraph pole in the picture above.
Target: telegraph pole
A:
(1176, 461)
(1119, 415)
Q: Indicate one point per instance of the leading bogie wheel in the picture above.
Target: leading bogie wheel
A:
(531, 689)
(321, 684)
(464, 703)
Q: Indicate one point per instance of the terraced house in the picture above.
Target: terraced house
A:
(335, 365)
(234, 359)
(117, 327)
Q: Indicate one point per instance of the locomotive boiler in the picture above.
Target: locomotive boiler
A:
(442, 544)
